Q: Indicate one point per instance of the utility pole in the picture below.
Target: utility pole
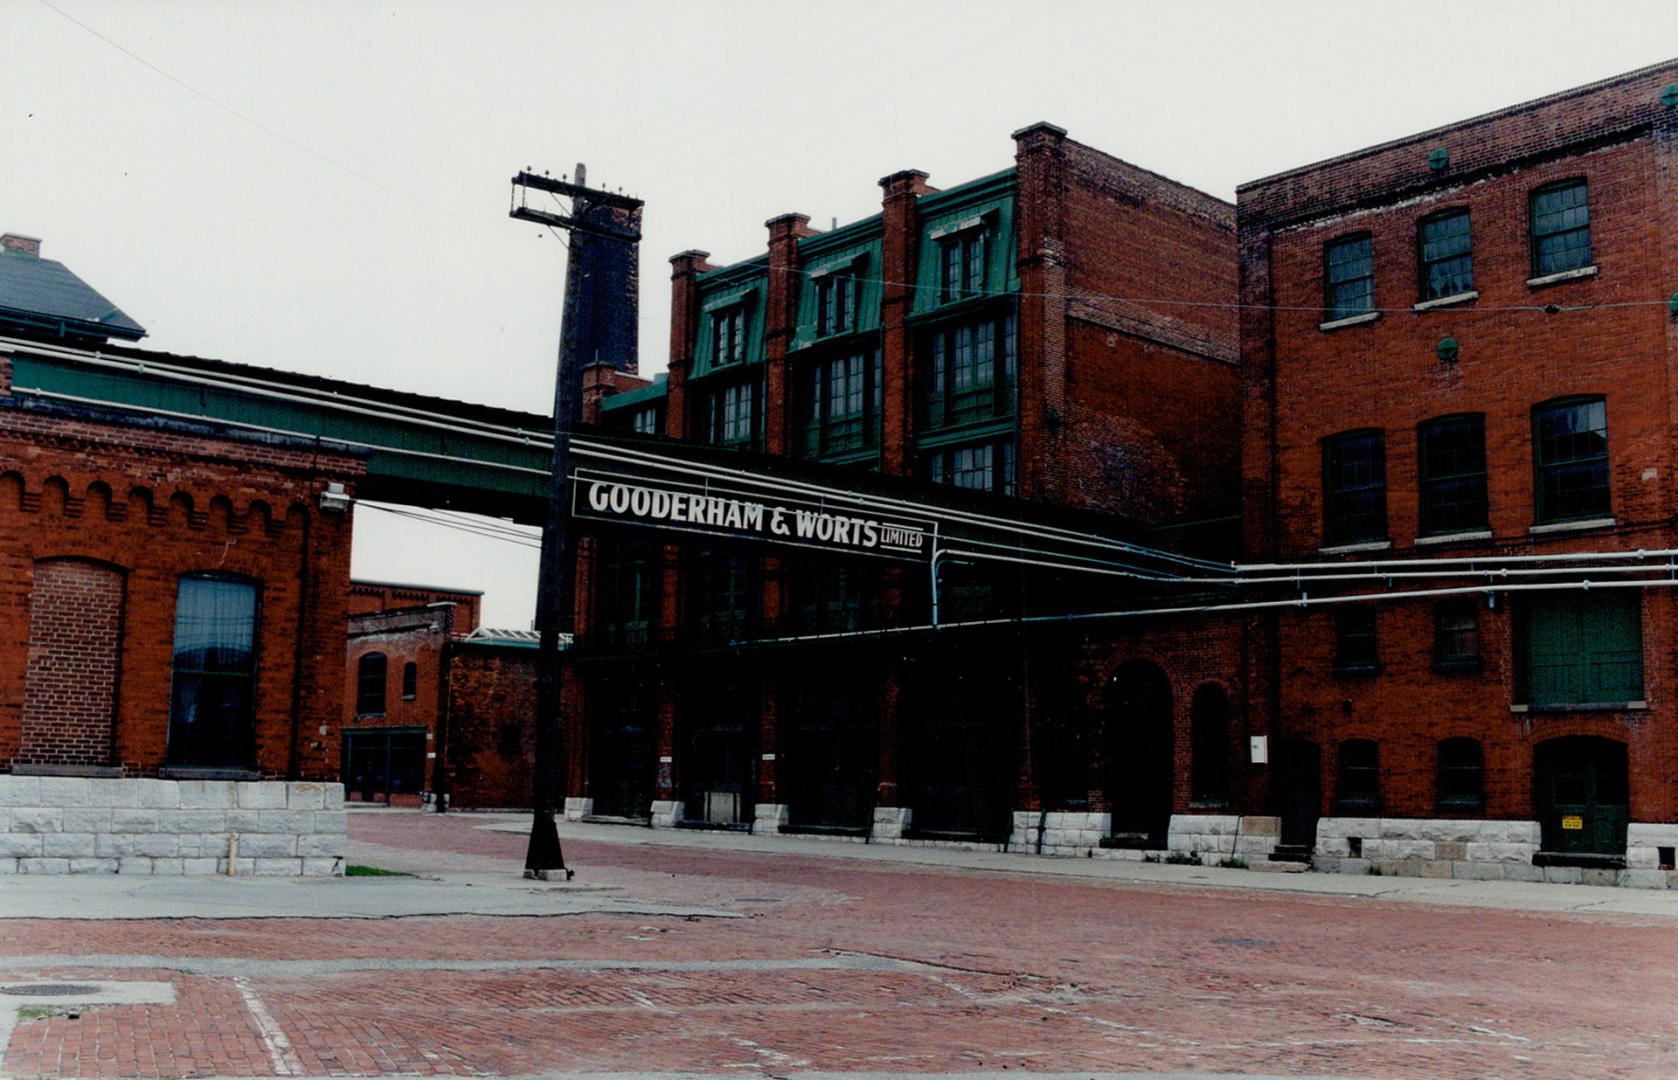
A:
(598, 324)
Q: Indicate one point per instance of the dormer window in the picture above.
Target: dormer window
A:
(836, 303)
(961, 264)
(728, 329)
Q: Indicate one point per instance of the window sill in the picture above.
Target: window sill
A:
(1454, 538)
(1356, 671)
(1350, 320)
(1572, 526)
(206, 772)
(1584, 706)
(1561, 276)
(1447, 301)
(1350, 549)
(1457, 667)
(97, 772)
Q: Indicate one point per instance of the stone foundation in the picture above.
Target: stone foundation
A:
(889, 823)
(1430, 847)
(665, 813)
(577, 809)
(1224, 836)
(1060, 832)
(767, 818)
(64, 825)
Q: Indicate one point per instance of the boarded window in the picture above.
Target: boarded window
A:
(1581, 648)
(70, 682)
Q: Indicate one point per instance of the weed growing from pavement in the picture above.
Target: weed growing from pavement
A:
(372, 871)
(1234, 862)
(1184, 858)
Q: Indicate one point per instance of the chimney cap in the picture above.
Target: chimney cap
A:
(19, 244)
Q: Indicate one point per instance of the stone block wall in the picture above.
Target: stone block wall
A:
(1429, 847)
(65, 825)
(1224, 836)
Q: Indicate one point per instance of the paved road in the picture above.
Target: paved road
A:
(715, 957)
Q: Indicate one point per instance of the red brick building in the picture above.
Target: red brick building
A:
(992, 346)
(1460, 345)
(173, 593)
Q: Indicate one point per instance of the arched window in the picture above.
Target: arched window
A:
(1209, 734)
(370, 685)
(410, 681)
(1461, 777)
(1357, 791)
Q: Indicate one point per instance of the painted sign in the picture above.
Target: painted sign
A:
(1572, 822)
(749, 514)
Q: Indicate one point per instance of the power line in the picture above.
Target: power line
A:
(257, 124)
(456, 526)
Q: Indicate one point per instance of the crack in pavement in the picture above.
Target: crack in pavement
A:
(256, 968)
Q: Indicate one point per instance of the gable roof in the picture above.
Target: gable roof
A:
(43, 293)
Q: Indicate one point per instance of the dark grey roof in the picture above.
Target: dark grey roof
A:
(43, 293)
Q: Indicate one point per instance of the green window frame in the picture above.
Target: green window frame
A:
(1451, 474)
(1355, 487)
(969, 371)
(1348, 277)
(728, 336)
(1580, 648)
(1445, 246)
(1570, 460)
(644, 421)
(839, 401)
(836, 303)
(1561, 227)
(733, 414)
(961, 264)
(628, 591)
(982, 466)
(722, 602)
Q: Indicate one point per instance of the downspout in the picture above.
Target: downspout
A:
(291, 768)
(439, 766)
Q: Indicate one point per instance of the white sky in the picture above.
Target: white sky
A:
(323, 187)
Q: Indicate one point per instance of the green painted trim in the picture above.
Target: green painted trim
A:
(967, 433)
(713, 299)
(866, 257)
(996, 209)
(624, 399)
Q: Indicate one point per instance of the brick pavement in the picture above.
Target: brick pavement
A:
(848, 966)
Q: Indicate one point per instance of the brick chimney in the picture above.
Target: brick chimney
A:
(18, 244)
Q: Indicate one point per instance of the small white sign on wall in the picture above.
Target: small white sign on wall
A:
(1260, 747)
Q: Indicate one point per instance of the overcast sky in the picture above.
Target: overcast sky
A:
(323, 187)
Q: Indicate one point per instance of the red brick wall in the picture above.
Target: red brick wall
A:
(1303, 384)
(366, 596)
(490, 689)
(157, 504)
(403, 636)
(75, 641)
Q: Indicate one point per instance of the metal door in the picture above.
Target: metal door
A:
(1582, 795)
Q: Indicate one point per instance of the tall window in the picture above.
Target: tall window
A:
(410, 681)
(961, 264)
(1451, 474)
(1348, 277)
(1355, 647)
(628, 591)
(1461, 785)
(1456, 635)
(1447, 261)
(833, 596)
(836, 303)
(212, 698)
(840, 404)
(644, 421)
(985, 466)
(1580, 648)
(731, 414)
(1357, 791)
(728, 328)
(723, 597)
(969, 372)
(1209, 731)
(1355, 487)
(370, 685)
(1570, 459)
(1561, 228)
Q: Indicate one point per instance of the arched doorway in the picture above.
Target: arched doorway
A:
(1138, 748)
(1581, 794)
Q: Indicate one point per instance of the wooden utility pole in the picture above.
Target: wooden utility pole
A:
(598, 325)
